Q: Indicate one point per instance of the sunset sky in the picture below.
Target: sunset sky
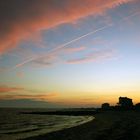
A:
(69, 53)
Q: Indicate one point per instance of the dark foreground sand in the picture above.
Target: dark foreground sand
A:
(119, 125)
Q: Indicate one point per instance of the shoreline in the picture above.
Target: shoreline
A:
(87, 119)
(109, 125)
(52, 134)
(65, 113)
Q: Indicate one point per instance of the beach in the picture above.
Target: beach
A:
(108, 125)
(17, 125)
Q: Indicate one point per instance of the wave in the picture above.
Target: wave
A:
(23, 126)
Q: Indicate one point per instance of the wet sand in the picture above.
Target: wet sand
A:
(109, 125)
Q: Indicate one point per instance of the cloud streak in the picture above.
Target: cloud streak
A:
(39, 97)
(8, 93)
(93, 57)
(40, 59)
(5, 89)
(55, 57)
(22, 18)
(75, 49)
(58, 48)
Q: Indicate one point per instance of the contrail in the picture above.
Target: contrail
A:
(129, 16)
(74, 40)
(24, 62)
(62, 46)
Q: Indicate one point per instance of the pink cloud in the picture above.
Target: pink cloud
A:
(21, 19)
(55, 57)
(40, 97)
(73, 50)
(4, 89)
(8, 92)
(94, 57)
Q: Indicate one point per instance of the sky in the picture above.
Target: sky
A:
(69, 53)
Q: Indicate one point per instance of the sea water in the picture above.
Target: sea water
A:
(14, 125)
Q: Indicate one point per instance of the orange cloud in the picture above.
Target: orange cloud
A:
(47, 96)
(13, 93)
(4, 89)
(20, 19)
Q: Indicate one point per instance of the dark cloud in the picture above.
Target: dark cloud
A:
(26, 103)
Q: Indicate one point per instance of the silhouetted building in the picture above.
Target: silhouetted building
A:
(125, 102)
(105, 106)
(137, 106)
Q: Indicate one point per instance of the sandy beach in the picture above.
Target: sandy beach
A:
(109, 125)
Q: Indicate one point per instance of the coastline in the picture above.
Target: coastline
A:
(108, 125)
(85, 119)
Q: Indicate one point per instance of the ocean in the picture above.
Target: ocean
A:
(14, 125)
